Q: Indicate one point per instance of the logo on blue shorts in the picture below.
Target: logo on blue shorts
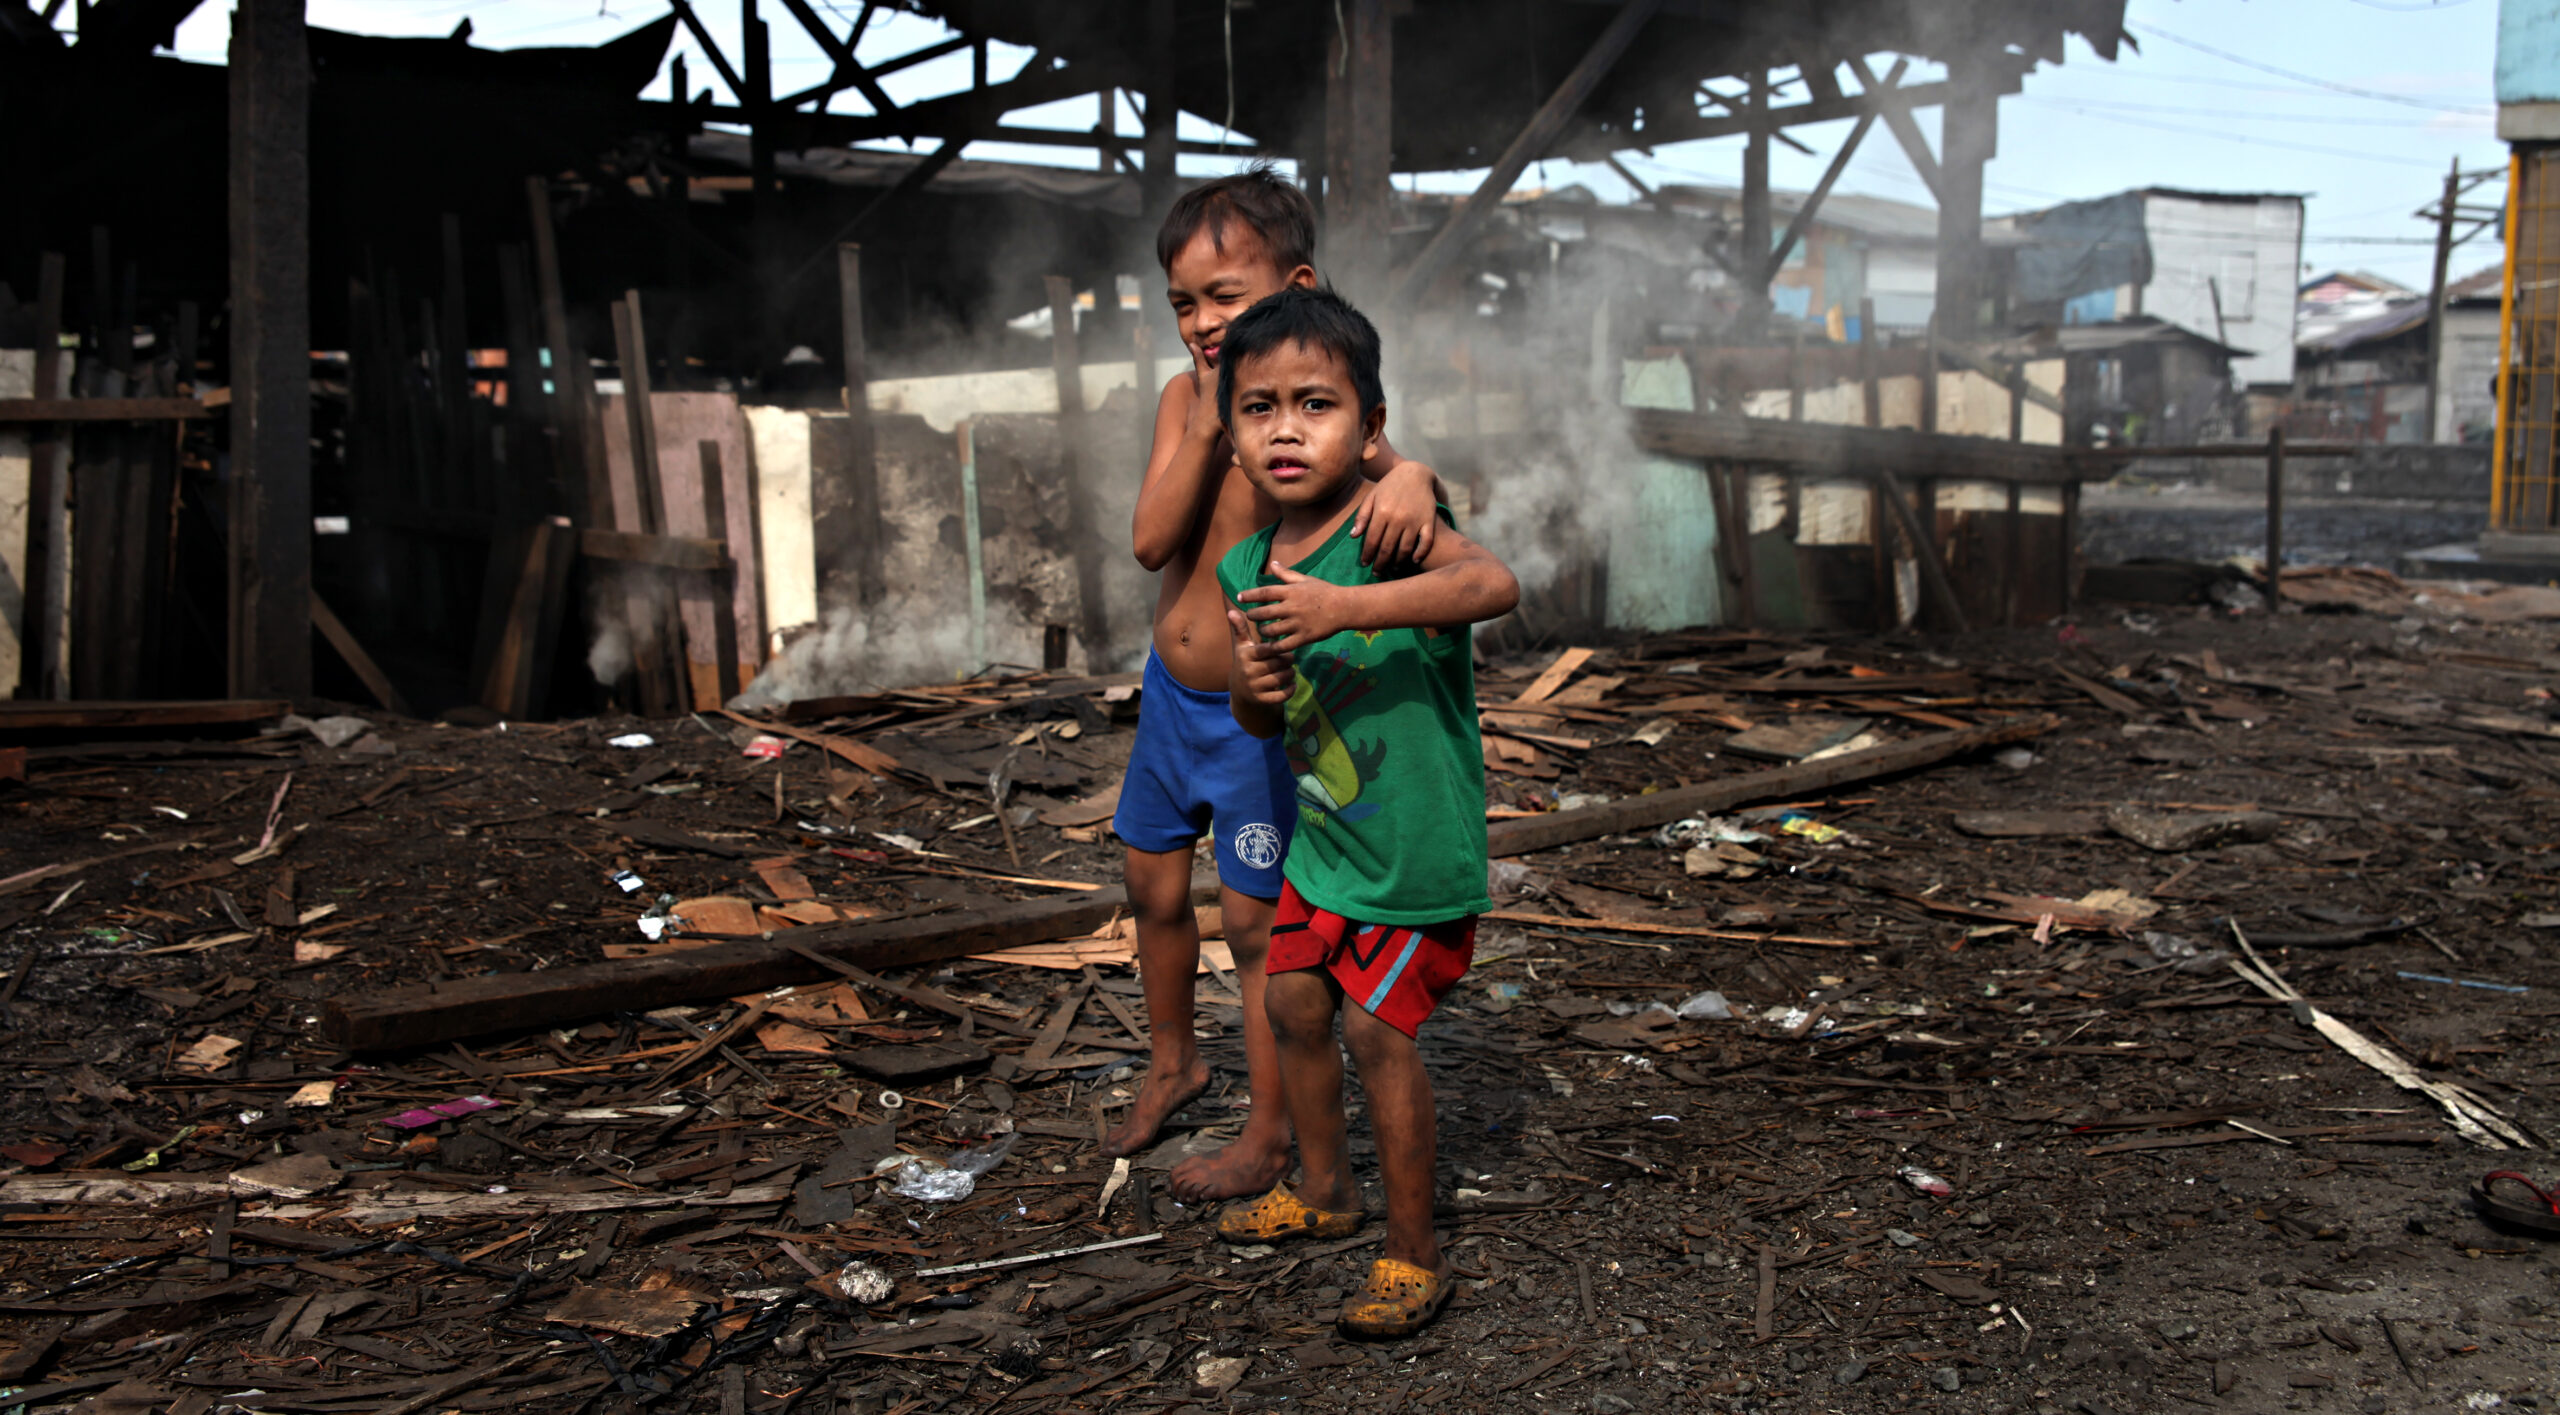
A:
(1258, 846)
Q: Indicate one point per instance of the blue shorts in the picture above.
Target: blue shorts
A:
(1194, 772)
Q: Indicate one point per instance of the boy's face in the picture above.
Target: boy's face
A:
(1296, 423)
(1210, 287)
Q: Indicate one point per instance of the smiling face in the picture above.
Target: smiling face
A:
(1297, 426)
(1209, 287)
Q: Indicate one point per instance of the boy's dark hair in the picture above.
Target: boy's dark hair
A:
(1270, 205)
(1319, 319)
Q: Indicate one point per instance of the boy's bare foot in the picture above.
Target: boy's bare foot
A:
(1160, 1098)
(1250, 1165)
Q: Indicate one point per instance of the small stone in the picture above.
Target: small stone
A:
(2375, 1405)
(1796, 1363)
(1850, 1373)
(1946, 1378)
(1328, 1295)
(1979, 1218)
(1219, 1372)
(2179, 1329)
(1247, 1252)
(1636, 1327)
(1902, 1238)
(1607, 1404)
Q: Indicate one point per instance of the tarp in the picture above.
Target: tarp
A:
(2081, 246)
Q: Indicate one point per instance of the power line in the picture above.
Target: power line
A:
(2231, 113)
(2240, 138)
(2302, 78)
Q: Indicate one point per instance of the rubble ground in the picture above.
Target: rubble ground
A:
(1990, 1121)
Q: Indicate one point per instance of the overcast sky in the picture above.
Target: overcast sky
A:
(2357, 104)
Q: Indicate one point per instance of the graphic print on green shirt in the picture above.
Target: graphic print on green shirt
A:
(1381, 734)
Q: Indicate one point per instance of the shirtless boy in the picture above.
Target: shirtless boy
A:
(1224, 246)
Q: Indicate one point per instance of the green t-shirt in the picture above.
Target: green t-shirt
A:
(1382, 737)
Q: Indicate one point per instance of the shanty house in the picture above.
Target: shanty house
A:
(2365, 379)
(2219, 265)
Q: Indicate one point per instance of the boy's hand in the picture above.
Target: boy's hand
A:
(1398, 518)
(1297, 611)
(1203, 423)
(1264, 672)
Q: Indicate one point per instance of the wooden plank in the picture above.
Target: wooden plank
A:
(1925, 550)
(84, 716)
(666, 552)
(100, 410)
(429, 1013)
(729, 592)
(858, 493)
(269, 581)
(1083, 538)
(39, 629)
(375, 681)
(724, 585)
(1552, 677)
(1520, 837)
(519, 677)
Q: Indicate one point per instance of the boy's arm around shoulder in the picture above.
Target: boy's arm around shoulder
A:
(1183, 470)
(1400, 516)
(1458, 582)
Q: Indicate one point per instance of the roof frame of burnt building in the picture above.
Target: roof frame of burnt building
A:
(425, 198)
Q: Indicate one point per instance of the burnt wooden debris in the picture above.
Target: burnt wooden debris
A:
(360, 1082)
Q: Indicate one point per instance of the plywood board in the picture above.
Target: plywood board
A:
(684, 421)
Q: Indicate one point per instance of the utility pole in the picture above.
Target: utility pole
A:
(2435, 296)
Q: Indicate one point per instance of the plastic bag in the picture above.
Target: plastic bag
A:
(949, 1181)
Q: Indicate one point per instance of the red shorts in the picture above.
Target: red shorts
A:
(1396, 974)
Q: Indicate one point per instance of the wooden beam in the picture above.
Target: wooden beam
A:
(1802, 221)
(848, 68)
(711, 49)
(1757, 266)
(1533, 140)
(1542, 832)
(724, 579)
(1894, 105)
(1970, 138)
(1850, 452)
(269, 512)
(370, 673)
(665, 552)
(96, 716)
(1359, 136)
(429, 1013)
(99, 410)
(1924, 550)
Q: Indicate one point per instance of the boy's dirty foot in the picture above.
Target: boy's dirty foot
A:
(1160, 1098)
(1251, 1164)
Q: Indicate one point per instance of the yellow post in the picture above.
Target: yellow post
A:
(2506, 351)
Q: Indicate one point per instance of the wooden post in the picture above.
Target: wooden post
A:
(657, 641)
(1754, 257)
(270, 225)
(2275, 518)
(585, 491)
(1933, 568)
(1093, 623)
(1867, 371)
(1795, 377)
(1969, 138)
(1929, 378)
(40, 625)
(724, 581)
(1359, 132)
(2017, 537)
(860, 551)
(2435, 300)
(2070, 557)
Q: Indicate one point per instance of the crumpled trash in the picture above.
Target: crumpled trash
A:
(438, 1113)
(628, 882)
(1509, 879)
(1502, 997)
(2015, 758)
(662, 919)
(1579, 800)
(2189, 955)
(631, 740)
(949, 1181)
(766, 746)
(1629, 1009)
(1926, 1182)
(1723, 859)
(863, 1284)
(330, 731)
(1798, 823)
(1707, 830)
(1708, 1006)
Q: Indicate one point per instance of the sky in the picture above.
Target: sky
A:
(2359, 105)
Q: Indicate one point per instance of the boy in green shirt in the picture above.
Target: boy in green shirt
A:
(1367, 675)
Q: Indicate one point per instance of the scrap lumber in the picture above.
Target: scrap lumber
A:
(457, 1008)
(665, 552)
(99, 410)
(1540, 832)
(38, 716)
